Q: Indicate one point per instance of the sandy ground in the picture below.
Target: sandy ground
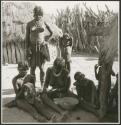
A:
(15, 115)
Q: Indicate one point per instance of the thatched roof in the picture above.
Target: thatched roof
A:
(15, 16)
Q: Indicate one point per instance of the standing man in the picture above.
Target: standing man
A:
(65, 44)
(37, 49)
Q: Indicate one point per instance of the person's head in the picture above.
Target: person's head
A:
(58, 64)
(22, 68)
(29, 78)
(38, 12)
(79, 76)
(66, 35)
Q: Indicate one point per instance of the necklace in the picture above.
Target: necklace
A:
(56, 74)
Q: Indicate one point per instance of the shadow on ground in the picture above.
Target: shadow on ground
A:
(77, 115)
(91, 59)
(16, 115)
(7, 91)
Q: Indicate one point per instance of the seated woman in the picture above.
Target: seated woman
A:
(86, 92)
(58, 78)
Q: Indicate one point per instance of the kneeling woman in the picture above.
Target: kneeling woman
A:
(58, 78)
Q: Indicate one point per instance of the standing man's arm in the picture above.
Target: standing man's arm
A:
(71, 44)
(60, 44)
(58, 49)
(50, 31)
(27, 41)
(71, 41)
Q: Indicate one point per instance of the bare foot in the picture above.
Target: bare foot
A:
(101, 113)
(63, 116)
(40, 118)
(52, 119)
(11, 104)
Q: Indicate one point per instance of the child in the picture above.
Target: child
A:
(17, 81)
(65, 44)
(86, 92)
(20, 101)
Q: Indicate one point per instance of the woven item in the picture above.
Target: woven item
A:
(67, 103)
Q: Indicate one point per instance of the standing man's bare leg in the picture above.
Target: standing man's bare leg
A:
(32, 71)
(42, 74)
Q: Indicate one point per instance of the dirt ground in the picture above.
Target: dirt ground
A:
(15, 115)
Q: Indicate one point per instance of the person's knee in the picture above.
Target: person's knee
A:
(20, 103)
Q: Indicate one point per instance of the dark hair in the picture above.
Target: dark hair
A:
(59, 63)
(66, 35)
(77, 74)
(29, 78)
(38, 10)
(23, 66)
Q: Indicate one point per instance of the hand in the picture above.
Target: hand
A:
(44, 95)
(47, 38)
(44, 90)
(53, 90)
(96, 66)
(39, 30)
(33, 28)
(58, 90)
(117, 75)
(29, 52)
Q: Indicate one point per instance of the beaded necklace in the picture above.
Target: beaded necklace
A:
(56, 74)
